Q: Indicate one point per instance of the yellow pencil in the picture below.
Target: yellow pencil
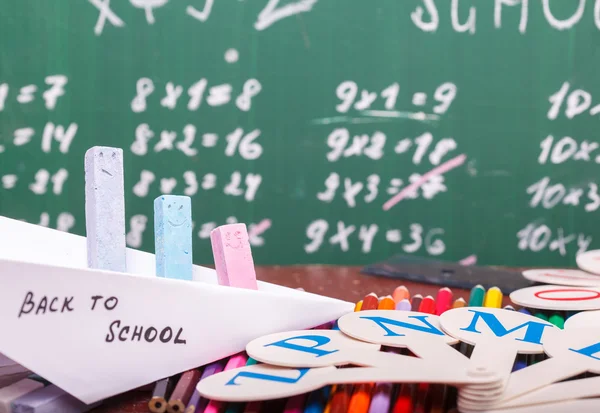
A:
(493, 298)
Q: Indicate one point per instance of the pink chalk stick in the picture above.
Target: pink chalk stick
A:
(233, 256)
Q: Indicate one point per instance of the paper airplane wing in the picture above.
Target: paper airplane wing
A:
(99, 333)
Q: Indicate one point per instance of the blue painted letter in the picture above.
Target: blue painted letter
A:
(533, 330)
(267, 377)
(589, 351)
(382, 321)
(319, 341)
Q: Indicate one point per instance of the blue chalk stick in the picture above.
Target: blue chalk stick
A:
(173, 236)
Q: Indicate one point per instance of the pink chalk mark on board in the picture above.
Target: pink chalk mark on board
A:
(470, 260)
(443, 168)
(261, 227)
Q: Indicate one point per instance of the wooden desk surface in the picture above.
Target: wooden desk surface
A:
(345, 283)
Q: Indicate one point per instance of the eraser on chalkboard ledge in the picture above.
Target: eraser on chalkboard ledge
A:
(448, 274)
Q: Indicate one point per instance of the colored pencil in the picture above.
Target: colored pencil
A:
(493, 298)
(443, 300)
(360, 395)
(422, 389)
(183, 391)
(459, 303)
(386, 303)
(162, 389)
(557, 319)
(439, 392)
(400, 293)
(415, 302)
(403, 305)
(477, 296)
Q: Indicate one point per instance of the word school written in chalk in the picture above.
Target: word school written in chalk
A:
(427, 16)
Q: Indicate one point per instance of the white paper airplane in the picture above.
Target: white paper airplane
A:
(96, 333)
(92, 350)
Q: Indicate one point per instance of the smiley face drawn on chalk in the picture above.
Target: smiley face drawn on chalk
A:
(106, 162)
(235, 240)
(104, 168)
(176, 213)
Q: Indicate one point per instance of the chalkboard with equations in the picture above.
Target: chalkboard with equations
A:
(341, 132)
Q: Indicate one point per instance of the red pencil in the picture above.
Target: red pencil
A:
(427, 306)
(443, 300)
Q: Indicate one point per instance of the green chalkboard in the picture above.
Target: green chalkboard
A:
(340, 131)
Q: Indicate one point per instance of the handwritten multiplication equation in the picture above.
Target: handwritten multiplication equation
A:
(569, 103)
(189, 183)
(53, 137)
(536, 237)
(421, 150)
(201, 92)
(424, 149)
(200, 10)
(188, 141)
(356, 104)
(383, 103)
(412, 238)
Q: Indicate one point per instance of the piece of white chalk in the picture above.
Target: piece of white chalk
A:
(173, 236)
(14, 391)
(233, 256)
(105, 208)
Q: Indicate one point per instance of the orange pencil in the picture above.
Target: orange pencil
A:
(386, 303)
(340, 400)
(361, 399)
(459, 303)
(400, 293)
(340, 395)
